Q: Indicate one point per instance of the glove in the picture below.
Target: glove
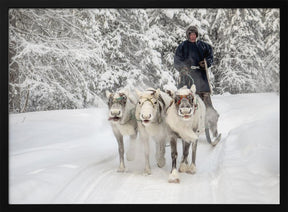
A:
(202, 64)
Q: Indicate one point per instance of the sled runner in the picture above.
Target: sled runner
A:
(208, 137)
(207, 130)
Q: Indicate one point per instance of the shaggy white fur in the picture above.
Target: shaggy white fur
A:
(174, 177)
(151, 123)
(124, 124)
(188, 129)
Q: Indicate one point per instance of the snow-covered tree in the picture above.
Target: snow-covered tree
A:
(271, 59)
(52, 57)
(240, 51)
(67, 58)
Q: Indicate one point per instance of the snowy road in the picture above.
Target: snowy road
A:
(71, 156)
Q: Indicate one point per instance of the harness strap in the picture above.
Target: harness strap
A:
(161, 99)
(149, 100)
(160, 107)
(171, 102)
(195, 106)
(185, 73)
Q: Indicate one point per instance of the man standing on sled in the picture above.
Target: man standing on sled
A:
(192, 58)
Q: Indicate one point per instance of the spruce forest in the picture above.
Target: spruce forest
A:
(67, 58)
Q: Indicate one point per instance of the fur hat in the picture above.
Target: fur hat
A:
(190, 30)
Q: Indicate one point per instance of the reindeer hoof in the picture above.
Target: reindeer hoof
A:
(147, 171)
(183, 167)
(161, 162)
(174, 177)
(173, 181)
(121, 169)
(191, 169)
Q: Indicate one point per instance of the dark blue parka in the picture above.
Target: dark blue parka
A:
(190, 54)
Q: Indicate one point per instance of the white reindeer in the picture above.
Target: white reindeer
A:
(121, 116)
(150, 114)
(186, 117)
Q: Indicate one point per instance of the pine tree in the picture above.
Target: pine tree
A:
(67, 58)
(271, 36)
(241, 52)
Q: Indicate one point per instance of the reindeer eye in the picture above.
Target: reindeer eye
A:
(177, 98)
(155, 102)
(139, 103)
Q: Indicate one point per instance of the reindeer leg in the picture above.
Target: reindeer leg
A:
(157, 153)
(184, 163)
(173, 176)
(119, 138)
(160, 148)
(192, 168)
(145, 141)
(130, 154)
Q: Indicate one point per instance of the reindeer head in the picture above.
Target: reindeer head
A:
(148, 108)
(185, 102)
(116, 104)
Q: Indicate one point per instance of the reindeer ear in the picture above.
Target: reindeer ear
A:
(138, 92)
(126, 92)
(108, 93)
(157, 93)
(170, 93)
(193, 89)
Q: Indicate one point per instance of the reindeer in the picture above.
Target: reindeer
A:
(121, 106)
(186, 116)
(150, 114)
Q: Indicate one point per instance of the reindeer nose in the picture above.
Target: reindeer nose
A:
(115, 112)
(185, 110)
(146, 117)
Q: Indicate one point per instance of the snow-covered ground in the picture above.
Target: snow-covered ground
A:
(71, 156)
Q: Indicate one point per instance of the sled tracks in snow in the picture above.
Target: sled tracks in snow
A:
(84, 182)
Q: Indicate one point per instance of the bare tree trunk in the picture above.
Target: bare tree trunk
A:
(26, 101)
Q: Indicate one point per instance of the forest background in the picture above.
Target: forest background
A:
(67, 58)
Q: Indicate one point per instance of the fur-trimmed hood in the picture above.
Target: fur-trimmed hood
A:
(190, 30)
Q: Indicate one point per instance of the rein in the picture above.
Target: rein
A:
(185, 73)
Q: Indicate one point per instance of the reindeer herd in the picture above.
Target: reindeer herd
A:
(159, 116)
